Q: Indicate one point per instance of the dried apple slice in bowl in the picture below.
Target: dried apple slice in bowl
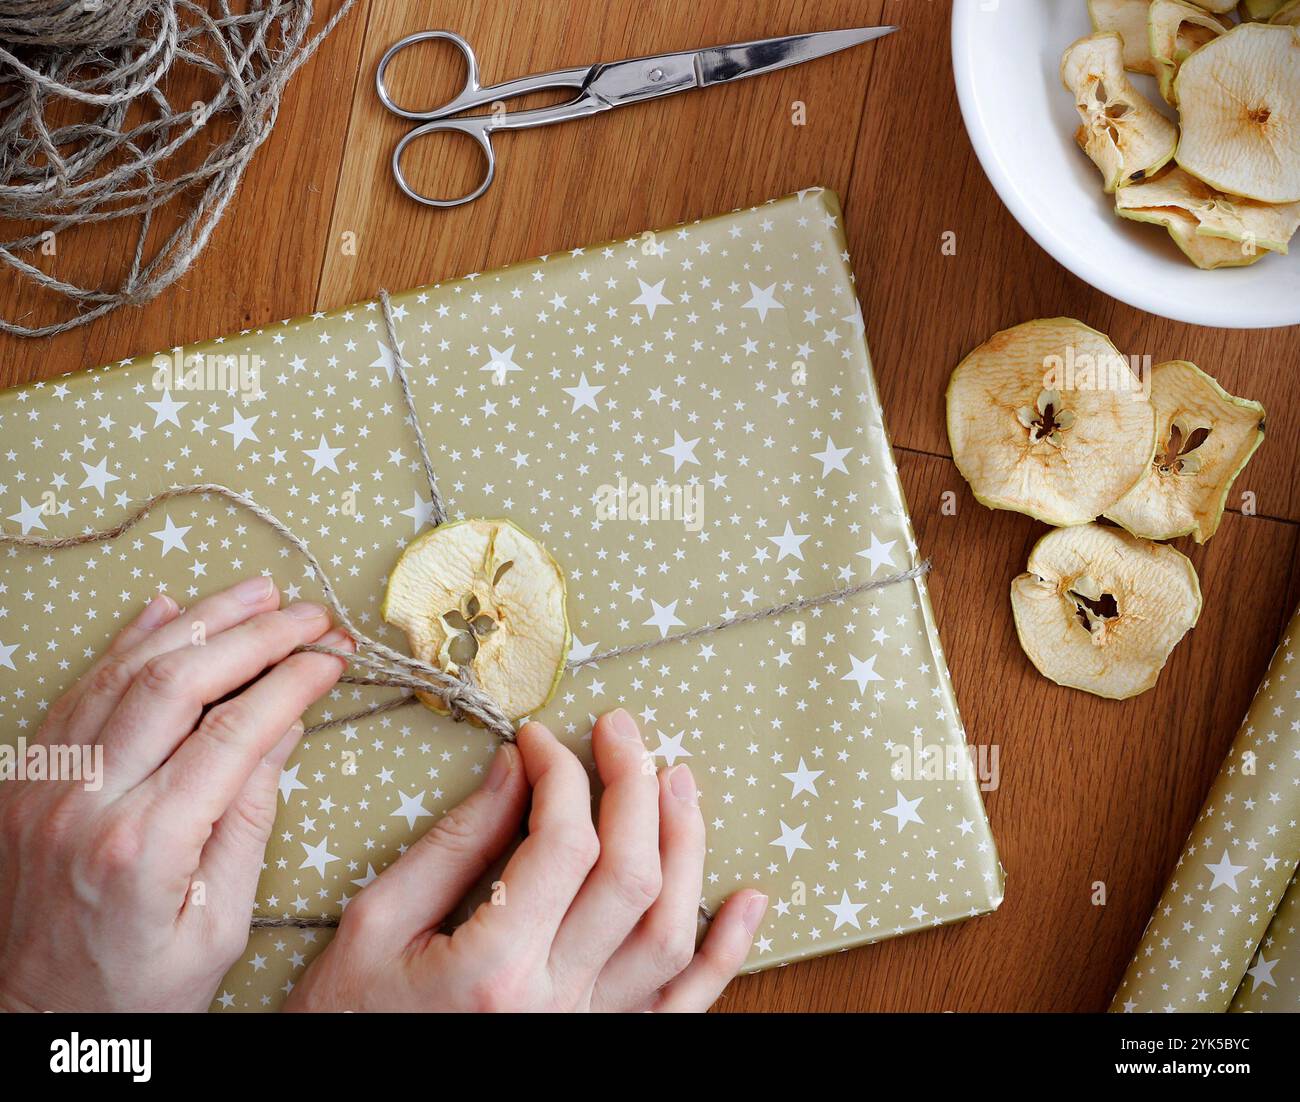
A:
(1126, 137)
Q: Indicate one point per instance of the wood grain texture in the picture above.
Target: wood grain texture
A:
(1090, 790)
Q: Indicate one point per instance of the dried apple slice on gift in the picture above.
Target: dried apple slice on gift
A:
(482, 600)
(1126, 137)
(1047, 418)
(1128, 19)
(1239, 99)
(1215, 230)
(1100, 610)
(1175, 30)
(1205, 437)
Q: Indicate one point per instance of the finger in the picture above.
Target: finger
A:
(167, 698)
(663, 944)
(104, 691)
(157, 613)
(725, 948)
(418, 890)
(209, 769)
(547, 870)
(627, 879)
(231, 862)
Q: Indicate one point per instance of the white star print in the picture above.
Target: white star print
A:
(411, 808)
(7, 656)
(651, 297)
(791, 839)
(862, 673)
(803, 779)
(845, 912)
(165, 410)
(878, 554)
(1225, 873)
(670, 747)
(583, 395)
(832, 458)
(385, 359)
(664, 617)
(788, 543)
(904, 810)
(97, 476)
(501, 364)
(241, 428)
(682, 451)
(763, 300)
(322, 457)
(29, 516)
(171, 536)
(318, 856)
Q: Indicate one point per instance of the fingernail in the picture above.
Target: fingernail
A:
(157, 610)
(753, 913)
(305, 610)
(624, 725)
(681, 782)
(254, 590)
(338, 639)
(279, 753)
(502, 766)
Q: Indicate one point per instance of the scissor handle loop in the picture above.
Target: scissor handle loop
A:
(467, 97)
(477, 128)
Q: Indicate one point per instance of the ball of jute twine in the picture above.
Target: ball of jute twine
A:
(88, 133)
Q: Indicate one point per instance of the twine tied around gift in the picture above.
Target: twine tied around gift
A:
(375, 663)
(88, 133)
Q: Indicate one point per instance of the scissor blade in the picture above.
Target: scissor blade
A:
(748, 59)
(642, 78)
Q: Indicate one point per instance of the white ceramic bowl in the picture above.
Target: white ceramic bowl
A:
(1006, 61)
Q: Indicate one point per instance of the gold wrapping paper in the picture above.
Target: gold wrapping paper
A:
(688, 422)
(1217, 934)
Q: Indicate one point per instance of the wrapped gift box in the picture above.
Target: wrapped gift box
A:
(1223, 935)
(688, 421)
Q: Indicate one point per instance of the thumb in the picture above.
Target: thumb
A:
(418, 890)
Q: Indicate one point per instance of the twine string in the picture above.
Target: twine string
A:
(110, 61)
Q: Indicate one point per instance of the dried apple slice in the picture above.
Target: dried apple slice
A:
(1100, 610)
(1175, 29)
(1239, 99)
(1261, 11)
(1047, 418)
(1128, 19)
(1214, 230)
(1288, 16)
(1206, 437)
(481, 599)
(1244, 221)
(1126, 137)
(1219, 7)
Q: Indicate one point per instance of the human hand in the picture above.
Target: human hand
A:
(137, 896)
(582, 918)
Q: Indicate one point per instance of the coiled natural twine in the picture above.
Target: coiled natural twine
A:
(87, 129)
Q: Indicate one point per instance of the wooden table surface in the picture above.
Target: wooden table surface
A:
(1091, 790)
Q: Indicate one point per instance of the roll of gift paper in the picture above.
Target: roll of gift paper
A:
(1273, 979)
(1220, 936)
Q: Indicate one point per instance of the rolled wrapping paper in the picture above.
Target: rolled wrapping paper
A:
(1213, 926)
(1272, 981)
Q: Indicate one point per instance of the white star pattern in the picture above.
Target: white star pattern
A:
(536, 386)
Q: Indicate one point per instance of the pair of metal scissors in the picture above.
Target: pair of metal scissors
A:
(599, 87)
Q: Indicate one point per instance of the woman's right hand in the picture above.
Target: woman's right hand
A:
(584, 917)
